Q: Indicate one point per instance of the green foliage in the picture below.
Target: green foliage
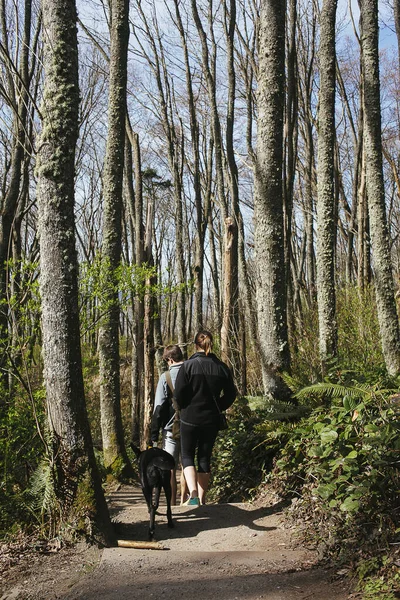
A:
(378, 578)
(98, 282)
(20, 451)
(100, 286)
(342, 463)
(358, 332)
(359, 347)
(42, 499)
(305, 361)
(239, 458)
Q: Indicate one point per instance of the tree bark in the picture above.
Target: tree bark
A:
(396, 10)
(148, 328)
(230, 341)
(137, 377)
(115, 457)
(201, 217)
(268, 200)
(382, 264)
(78, 480)
(289, 163)
(326, 240)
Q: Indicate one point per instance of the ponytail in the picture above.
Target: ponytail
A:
(204, 340)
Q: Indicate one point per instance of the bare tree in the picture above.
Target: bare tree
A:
(115, 457)
(75, 466)
(17, 95)
(268, 200)
(384, 288)
(325, 207)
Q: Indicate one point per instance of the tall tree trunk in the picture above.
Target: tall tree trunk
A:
(230, 325)
(19, 96)
(148, 329)
(201, 218)
(268, 200)
(384, 287)
(76, 470)
(289, 163)
(230, 239)
(115, 457)
(396, 9)
(306, 71)
(175, 152)
(326, 189)
(363, 244)
(209, 68)
(137, 376)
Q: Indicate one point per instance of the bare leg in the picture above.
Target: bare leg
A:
(191, 480)
(173, 487)
(203, 480)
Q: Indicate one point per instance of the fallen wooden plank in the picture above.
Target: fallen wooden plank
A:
(140, 545)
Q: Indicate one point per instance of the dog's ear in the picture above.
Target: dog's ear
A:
(135, 449)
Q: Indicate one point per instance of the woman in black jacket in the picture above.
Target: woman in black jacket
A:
(198, 388)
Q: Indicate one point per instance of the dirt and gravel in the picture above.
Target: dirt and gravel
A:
(223, 551)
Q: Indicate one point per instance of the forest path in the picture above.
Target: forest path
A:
(223, 551)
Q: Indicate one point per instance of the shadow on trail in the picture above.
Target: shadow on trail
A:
(188, 522)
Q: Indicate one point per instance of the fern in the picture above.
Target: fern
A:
(291, 381)
(278, 410)
(337, 390)
(42, 492)
(42, 487)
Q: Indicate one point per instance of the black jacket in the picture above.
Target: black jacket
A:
(196, 385)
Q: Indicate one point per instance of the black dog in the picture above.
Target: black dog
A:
(155, 467)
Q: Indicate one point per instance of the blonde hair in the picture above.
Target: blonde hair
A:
(204, 340)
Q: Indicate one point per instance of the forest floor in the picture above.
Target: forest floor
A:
(223, 551)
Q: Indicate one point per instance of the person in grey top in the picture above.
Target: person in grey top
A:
(164, 412)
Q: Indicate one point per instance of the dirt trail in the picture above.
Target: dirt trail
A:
(225, 551)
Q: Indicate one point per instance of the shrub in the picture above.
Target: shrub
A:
(342, 465)
(21, 449)
(238, 459)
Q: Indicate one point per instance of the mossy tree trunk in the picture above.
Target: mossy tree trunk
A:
(78, 484)
(268, 200)
(326, 224)
(115, 457)
(382, 264)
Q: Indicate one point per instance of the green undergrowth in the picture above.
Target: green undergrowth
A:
(240, 457)
(340, 466)
(21, 446)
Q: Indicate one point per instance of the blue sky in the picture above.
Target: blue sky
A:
(387, 33)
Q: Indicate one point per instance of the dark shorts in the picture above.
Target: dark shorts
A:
(198, 438)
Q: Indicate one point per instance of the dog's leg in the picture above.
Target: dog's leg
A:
(168, 495)
(148, 496)
(152, 522)
(155, 500)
